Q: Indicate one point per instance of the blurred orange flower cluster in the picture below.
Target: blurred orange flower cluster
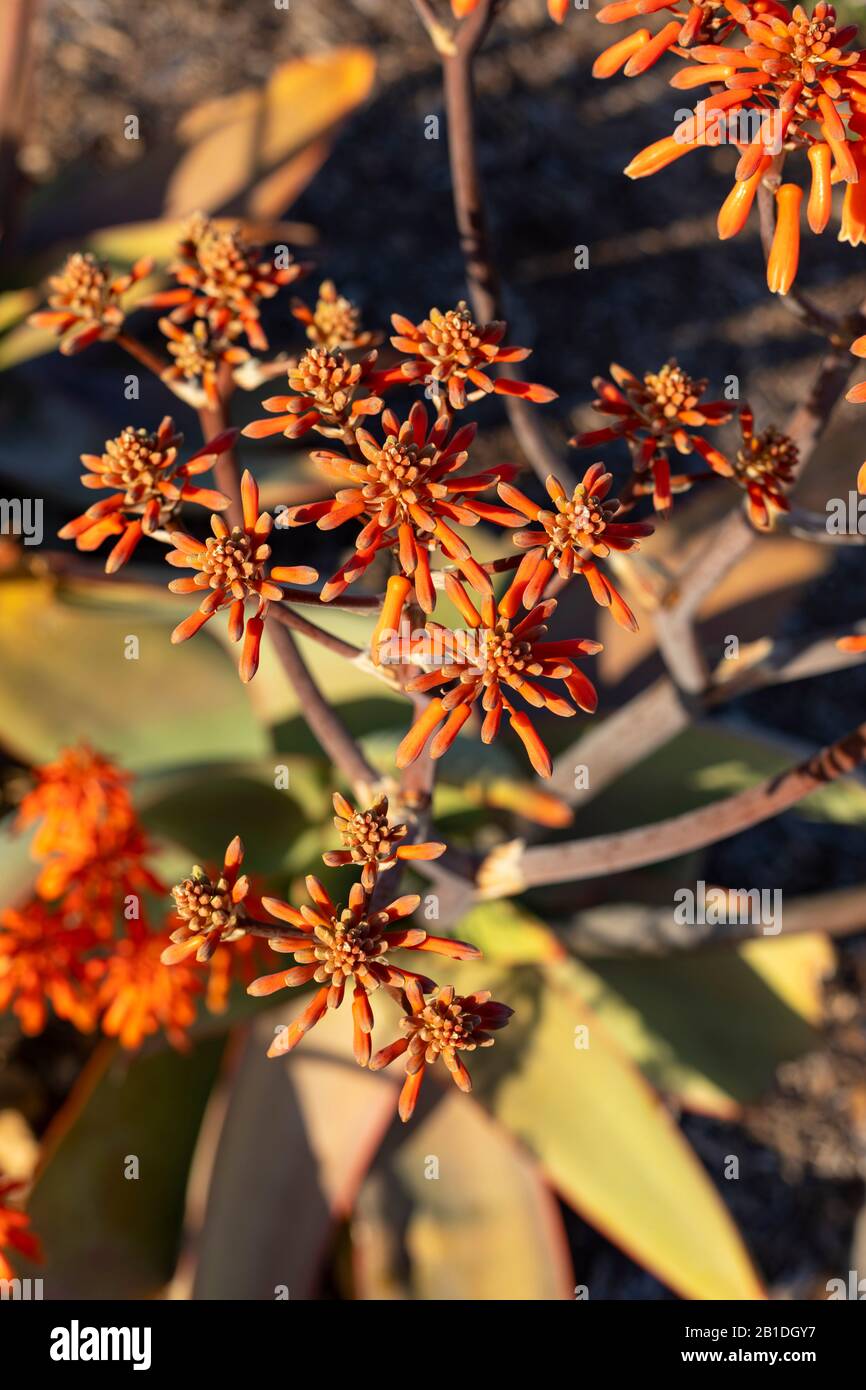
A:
(63, 949)
(15, 1231)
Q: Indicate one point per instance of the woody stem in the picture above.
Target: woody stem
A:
(141, 353)
(213, 420)
(470, 212)
(324, 721)
(663, 840)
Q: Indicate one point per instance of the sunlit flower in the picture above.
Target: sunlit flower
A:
(104, 884)
(140, 995)
(84, 809)
(784, 254)
(586, 521)
(793, 75)
(369, 840)
(150, 486)
(15, 1233)
(335, 945)
(231, 568)
(657, 414)
(325, 386)
(198, 356)
(223, 279)
(409, 491)
(85, 301)
(482, 664)
(453, 353)
(441, 1027)
(764, 465)
(45, 963)
(335, 323)
(211, 910)
(853, 228)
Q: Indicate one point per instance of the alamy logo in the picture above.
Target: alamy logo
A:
(76, 1343)
(22, 518)
(714, 907)
(712, 126)
(854, 1289)
(21, 1290)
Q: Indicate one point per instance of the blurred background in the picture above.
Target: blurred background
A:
(311, 124)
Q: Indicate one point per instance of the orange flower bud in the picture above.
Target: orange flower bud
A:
(785, 251)
(818, 209)
(736, 208)
(615, 57)
(658, 155)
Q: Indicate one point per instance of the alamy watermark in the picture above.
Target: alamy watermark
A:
(716, 907)
(846, 516)
(22, 517)
(741, 127)
(21, 1290)
(431, 647)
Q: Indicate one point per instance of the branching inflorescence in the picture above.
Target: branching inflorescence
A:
(407, 486)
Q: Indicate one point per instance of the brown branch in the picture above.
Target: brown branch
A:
(325, 722)
(650, 844)
(16, 19)
(361, 603)
(213, 420)
(482, 277)
(441, 37)
(634, 732)
(658, 714)
(142, 354)
(317, 634)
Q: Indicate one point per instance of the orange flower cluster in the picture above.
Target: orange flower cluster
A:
(453, 355)
(337, 947)
(657, 415)
(61, 950)
(335, 323)
(231, 569)
(371, 841)
(325, 387)
(794, 85)
(481, 664)
(223, 279)
(764, 465)
(199, 356)
(15, 1233)
(409, 491)
(150, 485)
(84, 301)
(408, 483)
(441, 1027)
(580, 530)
